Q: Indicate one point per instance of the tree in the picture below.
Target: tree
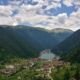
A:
(77, 74)
(67, 75)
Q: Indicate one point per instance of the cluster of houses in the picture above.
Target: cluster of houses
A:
(46, 67)
(8, 70)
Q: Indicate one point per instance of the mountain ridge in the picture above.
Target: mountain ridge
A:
(70, 48)
(24, 41)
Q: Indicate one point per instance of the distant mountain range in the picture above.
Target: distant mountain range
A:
(12, 43)
(61, 34)
(70, 47)
(39, 37)
(24, 41)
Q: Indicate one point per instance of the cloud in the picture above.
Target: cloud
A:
(62, 18)
(77, 2)
(5, 10)
(74, 20)
(62, 21)
(72, 2)
(34, 15)
(6, 20)
(68, 2)
(15, 2)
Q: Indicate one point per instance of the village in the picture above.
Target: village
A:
(40, 65)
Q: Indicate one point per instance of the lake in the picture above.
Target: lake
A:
(47, 54)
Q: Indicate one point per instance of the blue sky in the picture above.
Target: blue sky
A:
(53, 11)
(48, 13)
(3, 2)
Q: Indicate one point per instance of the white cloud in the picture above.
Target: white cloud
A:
(29, 14)
(77, 2)
(5, 10)
(74, 20)
(68, 2)
(7, 20)
(15, 2)
(62, 18)
(71, 2)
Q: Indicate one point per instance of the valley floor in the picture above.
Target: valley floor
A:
(39, 69)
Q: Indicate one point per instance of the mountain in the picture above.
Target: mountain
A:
(24, 41)
(42, 38)
(13, 44)
(61, 33)
(39, 38)
(70, 47)
(61, 30)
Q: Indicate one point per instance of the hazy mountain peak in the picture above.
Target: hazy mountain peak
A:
(61, 30)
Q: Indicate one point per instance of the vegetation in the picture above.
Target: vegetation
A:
(19, 46)
(68, 45)
(69, 49)
(12, 44)
(65, 72)
(73, 56)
